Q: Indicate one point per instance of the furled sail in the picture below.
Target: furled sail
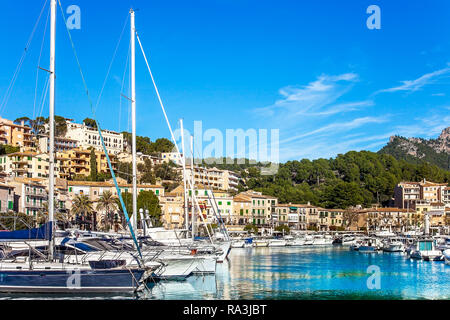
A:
(42, 233)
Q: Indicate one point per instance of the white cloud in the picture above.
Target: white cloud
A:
(315, 98)
(417, 84)
(333, 128)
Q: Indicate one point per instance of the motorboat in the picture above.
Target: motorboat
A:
(425, 250)
(447, 256)
(261, 243)
(296, 242)
(277, 243)
(309, 240)
(394, 245)
(237, 244)
(322, 240)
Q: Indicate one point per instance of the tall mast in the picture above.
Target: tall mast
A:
(133, 114)
(183, 159)
(194, 218)
(51, 156)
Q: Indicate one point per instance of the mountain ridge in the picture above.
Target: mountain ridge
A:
(417, 150)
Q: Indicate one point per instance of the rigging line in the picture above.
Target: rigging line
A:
(44, 96)
(123, 85)
(22, 59)
(112, 61)
(39, 63)
(182, 158)
(101, 138)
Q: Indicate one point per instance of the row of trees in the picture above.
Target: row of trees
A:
(112, 210)
(354, 178)
(145, 146)
(38, 125)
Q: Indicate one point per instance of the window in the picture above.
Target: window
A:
(228, 203)
(220, 203)
(157, 192)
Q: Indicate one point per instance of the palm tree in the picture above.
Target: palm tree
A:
(42, 215)
(107, 203)
(82, 206)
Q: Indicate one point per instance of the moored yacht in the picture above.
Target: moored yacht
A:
(426, 250)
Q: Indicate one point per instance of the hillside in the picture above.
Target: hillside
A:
(418, 150)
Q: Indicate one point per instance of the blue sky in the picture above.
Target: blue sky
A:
(311, 69)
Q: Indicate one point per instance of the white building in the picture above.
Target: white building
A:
(89, 137)
(213, 178)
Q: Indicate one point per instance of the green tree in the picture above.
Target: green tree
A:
(146, 200)
(90, 123)
(82, 207)
(107, 203)
(94, 170)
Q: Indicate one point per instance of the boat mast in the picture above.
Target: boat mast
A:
(183, 159)
(133, 115)
(51, 184)
(194, 218)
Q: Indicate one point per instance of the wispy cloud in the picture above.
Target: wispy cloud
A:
(419, 83)
(334, 128)
(316, 98)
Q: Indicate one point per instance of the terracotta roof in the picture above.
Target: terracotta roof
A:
(25, 154)
(109, 184)
(387, 210)
(30, 181)
(241, 198)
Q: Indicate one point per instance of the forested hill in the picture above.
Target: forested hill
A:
(350, 179)
(417, 150)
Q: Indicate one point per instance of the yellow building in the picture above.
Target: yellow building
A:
(15, 135)
(78, 162)
(30, 165)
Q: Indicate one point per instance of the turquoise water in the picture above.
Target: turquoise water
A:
(314, 273)
(304, 273)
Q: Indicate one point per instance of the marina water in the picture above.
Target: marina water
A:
(332, 272)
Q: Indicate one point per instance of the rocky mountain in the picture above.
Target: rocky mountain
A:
(417, 150)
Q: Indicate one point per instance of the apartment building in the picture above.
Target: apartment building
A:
(6, 198)
(30, 165)
(446, 196)
(14, 134)
(431, 192)
(242, 208)
(95, 189)
(78, 162)
(408, 194)
(172, 207)
(263, 208)
(140, 158)
(62, 144)
(88, 137)
(30, 195)
(330, 219)
(391, 218)
(213, 178)
(292, 215)
(171, 156)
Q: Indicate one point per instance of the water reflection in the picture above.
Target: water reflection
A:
(302, 273)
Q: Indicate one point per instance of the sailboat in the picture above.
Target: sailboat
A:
(44, 270)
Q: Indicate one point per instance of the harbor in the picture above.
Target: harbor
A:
(331, 272)
(88, 213)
